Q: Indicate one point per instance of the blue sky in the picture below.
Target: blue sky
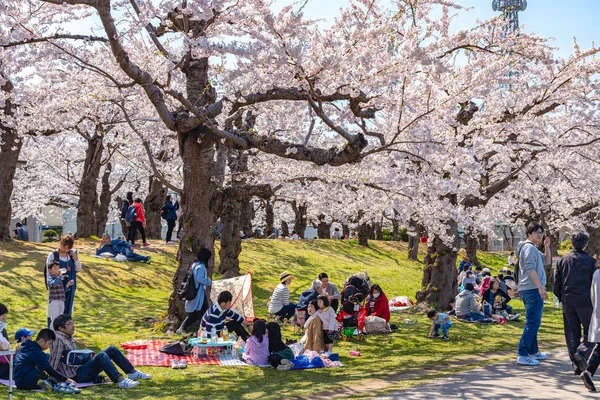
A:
(560, 19)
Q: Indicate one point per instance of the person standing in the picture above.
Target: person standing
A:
(593, 335)
(196, 307)
(128, 202)
(69, 261)
(21, 232)
(532, 289)
(140, 222)
(572, 286)
(170, 210)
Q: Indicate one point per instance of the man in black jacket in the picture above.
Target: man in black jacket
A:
(572, 285)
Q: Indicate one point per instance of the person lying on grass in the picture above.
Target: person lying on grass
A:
(90, 371)
(439, 320)
(217, 314)
(118, 246)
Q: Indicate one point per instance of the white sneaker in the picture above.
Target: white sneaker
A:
(128, 384)
(538, 356)
(137, 375)
(174, 364)
(527, 360)
(182, 364)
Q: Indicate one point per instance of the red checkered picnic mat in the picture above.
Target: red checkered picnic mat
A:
(151, 356)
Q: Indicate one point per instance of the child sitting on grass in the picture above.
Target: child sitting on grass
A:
(278, 351)
(330, 324)
(439, 320)
(32, 368)
(257, 345)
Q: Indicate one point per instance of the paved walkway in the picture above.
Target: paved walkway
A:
(552, 379)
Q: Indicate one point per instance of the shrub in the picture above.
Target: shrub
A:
(50, 235)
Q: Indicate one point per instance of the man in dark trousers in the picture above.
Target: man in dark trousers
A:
(572, 286)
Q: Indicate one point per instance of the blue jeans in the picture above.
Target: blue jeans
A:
(287, 311)
(472, 316)
(444, 327)
(534, 305)
(131, 256)
(103, 361)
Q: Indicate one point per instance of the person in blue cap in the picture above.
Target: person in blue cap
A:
(22, 335)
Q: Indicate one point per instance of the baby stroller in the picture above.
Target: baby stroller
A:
(356, 290)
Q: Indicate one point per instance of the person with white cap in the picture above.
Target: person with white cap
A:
(279, 303)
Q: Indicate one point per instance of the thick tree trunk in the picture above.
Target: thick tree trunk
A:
(395, 230)
(198, 156)
(269, 218)
(471, 244)
(154, 201)
(88, 188)
(247, 214)
(414, 239)
(378, 227)
(285, 229)
(371, 230)
(10, 148)
(593, 248)
(300, 220)
(231, 243)
(323, 229)
(363, 234)
(101, 214)
(345, 231)
(439, 284)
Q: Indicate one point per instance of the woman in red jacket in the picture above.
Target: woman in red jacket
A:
(140, 222)
(377, 303)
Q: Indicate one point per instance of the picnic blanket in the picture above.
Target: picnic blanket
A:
(147, 353)
(4, 382)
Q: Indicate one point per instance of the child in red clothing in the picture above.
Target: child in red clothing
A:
(377, 303)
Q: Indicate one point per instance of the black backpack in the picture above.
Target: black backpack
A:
(163, 213)
(188, 289)
(56, 260)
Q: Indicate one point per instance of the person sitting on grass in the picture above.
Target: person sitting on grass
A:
(309, 295)
(279, 303)
(451, 306)
(313, 338)
(256, 351)
(4, 343)
(497, 301)
(90, 371)
(377, 303)
(466, 308)
(278, 350)
(330, 324)
(22, 335)
(439, 320)
(118, 246)
(216, 315)
(469, 278)
(32, 369)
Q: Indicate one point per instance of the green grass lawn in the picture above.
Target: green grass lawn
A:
(114, 299)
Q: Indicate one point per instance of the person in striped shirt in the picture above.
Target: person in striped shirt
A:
(216, 315)
(280, 299)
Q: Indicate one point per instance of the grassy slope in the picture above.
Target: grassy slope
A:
(113, 299)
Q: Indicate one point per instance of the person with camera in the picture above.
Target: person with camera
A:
(85, 366)
(69, 263)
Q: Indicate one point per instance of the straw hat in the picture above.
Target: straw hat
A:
(284, 276)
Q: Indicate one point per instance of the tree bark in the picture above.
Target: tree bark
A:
(88, 188)
(471, 244)
(269, 218)
(285, 229)
(199, 167)
(593, 248)
(395, 230)
(10, 148)
(414, 240)
(101, 214)
(300, 220)
(323, 229)
(153, 202)
(363, 234)
(247, 214)
(378, 227)
(439, 284)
